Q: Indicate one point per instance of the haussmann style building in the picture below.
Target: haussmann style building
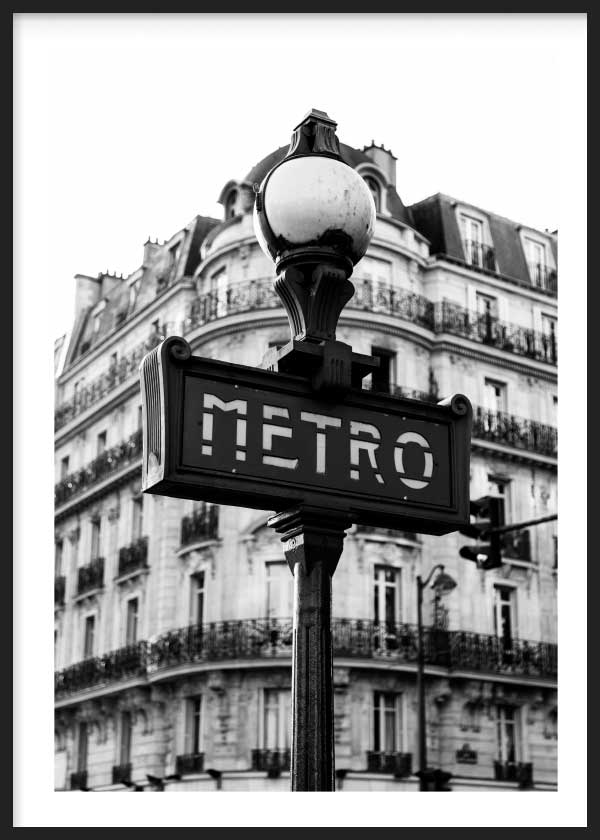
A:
(173, 618)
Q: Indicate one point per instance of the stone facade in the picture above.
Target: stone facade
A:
(173, 619)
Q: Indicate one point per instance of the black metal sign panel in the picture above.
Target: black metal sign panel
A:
(249, 437)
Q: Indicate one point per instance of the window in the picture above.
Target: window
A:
(504, 616)
(95, 541)
(58, 557)
(555, 410)
(536, 259)
(386, 595)
(64, 467)
(174, 252)
(386, 722)
(82, 748)
(277, 719)
(217, 289)
(472, 235)
(382, 377)
(280, 587)
(131, 625)
(133, 293)
(230, 205)
(487, 306)
(495, 395)
(507, 735)
(197, 598)
(88, 636)
(137, 518)
(100, 443)
(549, 336)
(375, 191)
(193, 725)
(96, 323)
(125, 741)
(500, 487)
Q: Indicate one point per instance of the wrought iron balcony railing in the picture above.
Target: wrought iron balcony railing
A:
(272, 639)
(91, 576)
(400, 764)
(79, 780)
(125, 663)
(544, 277)
(202, 524)
(369, 296)
(110, 461)
(514, 771)
(485, 328)
(479, 255)
(500, 427)
(273, 761)
(121, 773)
(118, 372)
(134, 556)
(189, 763)
(389, 300)
(59, 590)
(250, 639)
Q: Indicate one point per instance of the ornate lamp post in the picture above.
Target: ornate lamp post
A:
(443, 583)
(314, 217)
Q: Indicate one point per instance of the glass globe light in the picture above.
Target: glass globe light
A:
(312, 205)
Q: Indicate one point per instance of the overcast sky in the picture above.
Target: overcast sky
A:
(135, 122)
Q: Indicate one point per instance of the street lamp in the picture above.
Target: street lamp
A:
(314, 216)
(442, 584)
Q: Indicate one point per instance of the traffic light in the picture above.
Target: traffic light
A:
(489, 514)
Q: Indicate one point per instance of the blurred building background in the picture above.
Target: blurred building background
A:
(173, 618)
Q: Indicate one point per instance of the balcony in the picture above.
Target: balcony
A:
(389, 300)
(118, 372)
(125, 663)
(273, 762)
(251, 639)
(110, 461)
(506, 429)
(189, 763)
(202, 524)
(516, 545)
(59, 591)
(79, 780)
(91, 576)
(544, 277)
(397, 763)
(512, 771)
(479, 255)
(271, 639)
(133, 557)
(121, 774)
(485, 328)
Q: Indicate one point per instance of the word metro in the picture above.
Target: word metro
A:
(249, 437)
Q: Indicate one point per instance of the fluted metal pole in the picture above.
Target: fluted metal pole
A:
(313, 541)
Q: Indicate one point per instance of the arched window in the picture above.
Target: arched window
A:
(230, 205)
(375, 191)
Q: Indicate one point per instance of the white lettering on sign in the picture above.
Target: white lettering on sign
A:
(413, 437)
(270, 431)
(322, 422)
(241, 406)
(369, 446)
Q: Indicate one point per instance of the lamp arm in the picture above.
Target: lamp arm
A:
(439, 566)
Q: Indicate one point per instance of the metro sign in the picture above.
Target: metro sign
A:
(249, 437)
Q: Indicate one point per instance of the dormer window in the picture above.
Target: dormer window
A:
(375, 191)
(133, 292)
(230, 205)
(537, 262)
